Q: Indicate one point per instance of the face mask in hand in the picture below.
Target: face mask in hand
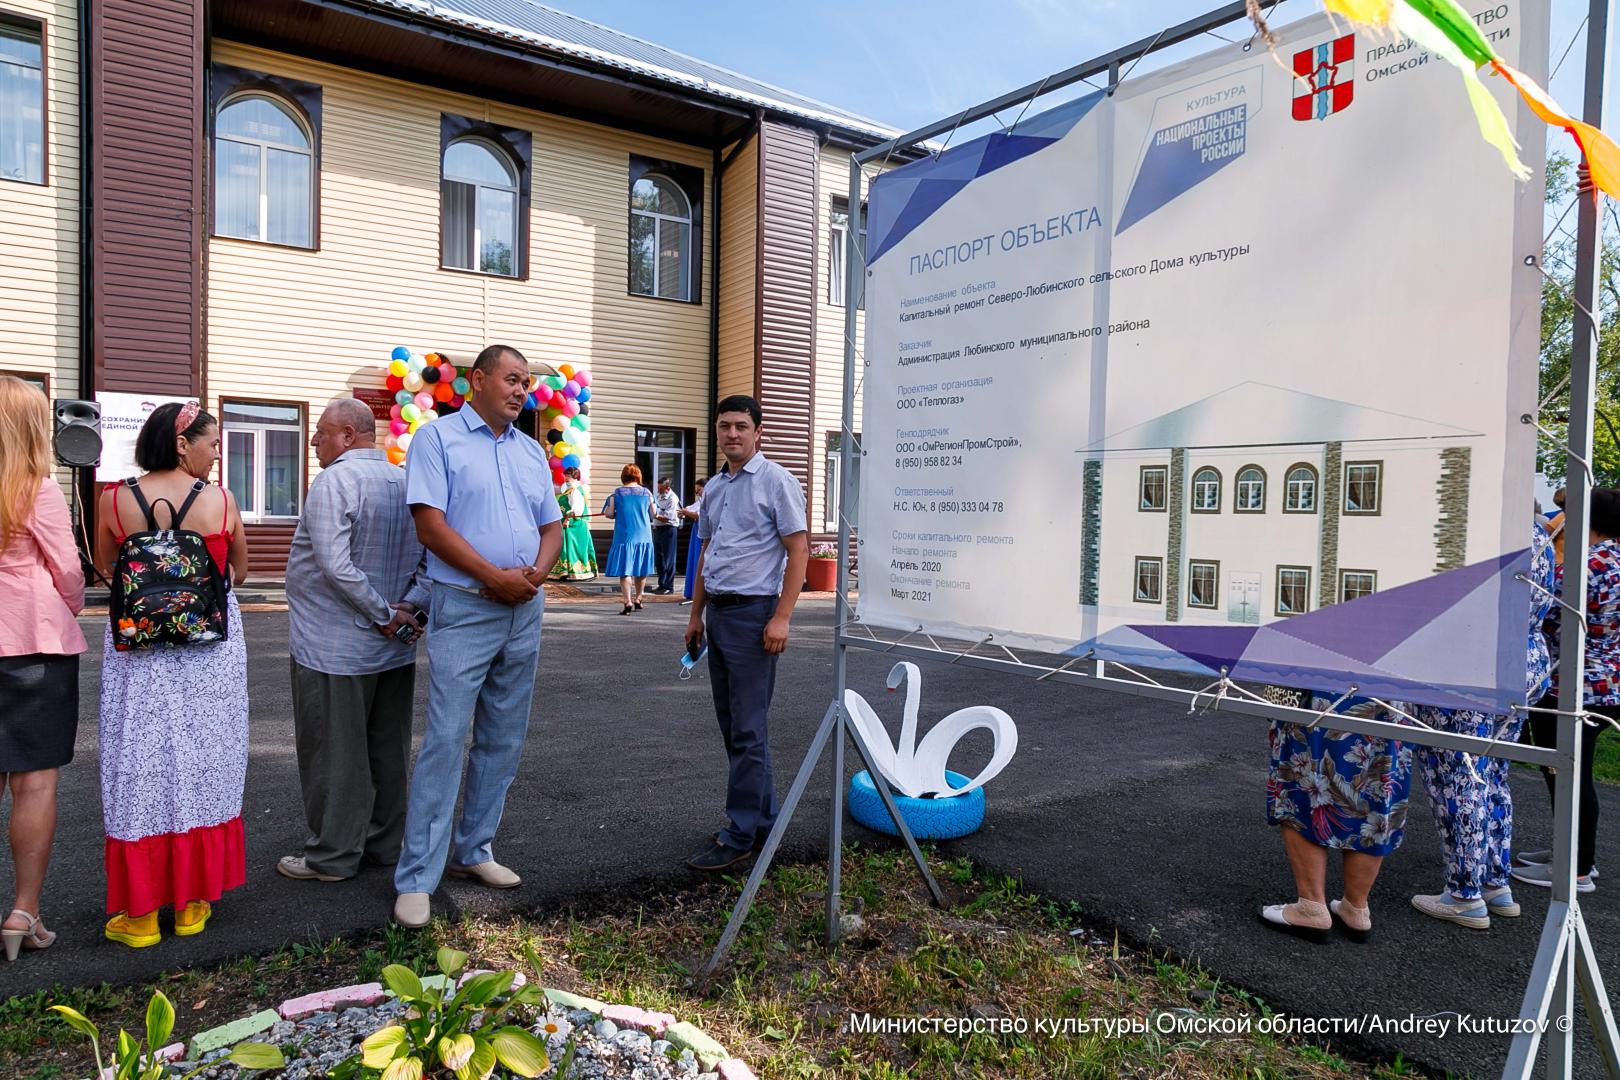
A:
(690, 660)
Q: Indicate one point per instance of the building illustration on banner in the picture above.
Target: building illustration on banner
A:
(1261, 502)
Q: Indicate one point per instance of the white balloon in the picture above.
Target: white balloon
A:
(918, 771)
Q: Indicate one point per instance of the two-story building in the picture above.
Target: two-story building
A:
(253, 201)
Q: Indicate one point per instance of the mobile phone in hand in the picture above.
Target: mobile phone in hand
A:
(405, 633)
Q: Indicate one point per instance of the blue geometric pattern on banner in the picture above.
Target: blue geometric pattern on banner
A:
(1183, 156)
(904, 198)
(1410, 643)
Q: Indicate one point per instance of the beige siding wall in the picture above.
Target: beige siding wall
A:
(739, 240)
(39, 224)
(829, 403)
(303, 326)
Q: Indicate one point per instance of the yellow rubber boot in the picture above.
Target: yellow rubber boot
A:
(192, 918)
(137, 932)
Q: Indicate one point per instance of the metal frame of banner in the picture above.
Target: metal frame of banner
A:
(1565, 958)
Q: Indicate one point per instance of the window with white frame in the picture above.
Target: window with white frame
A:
(1250, 489)
(660, 238)
(1152, 487)
(22, 101)
(1149, 580)
(480, 208)
(263, 447)
(1293, 590)
(1206, 491)
(834, 486)
(665, 453)
(1203, 583)
(1363, 483)
(1354, 584)
(838, 252)
(1300, 494)
(264, 172)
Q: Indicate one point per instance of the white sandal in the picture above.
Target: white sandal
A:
(31, 938)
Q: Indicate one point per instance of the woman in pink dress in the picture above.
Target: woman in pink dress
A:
(41, 590)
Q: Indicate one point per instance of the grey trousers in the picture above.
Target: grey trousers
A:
(353, 735)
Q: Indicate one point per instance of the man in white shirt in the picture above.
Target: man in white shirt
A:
(666, 529)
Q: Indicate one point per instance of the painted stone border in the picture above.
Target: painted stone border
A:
(712, 1056)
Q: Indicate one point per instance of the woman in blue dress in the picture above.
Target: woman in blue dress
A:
(694, 546)
(631, 557)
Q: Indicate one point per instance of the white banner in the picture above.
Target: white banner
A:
(1245, 342)
(122, 417)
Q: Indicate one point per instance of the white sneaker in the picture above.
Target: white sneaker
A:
(1500, 902)
(1542, 876)
(1542, 858)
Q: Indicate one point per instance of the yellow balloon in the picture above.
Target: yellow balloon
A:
(397, 369)
(559, 450)
(414, 425)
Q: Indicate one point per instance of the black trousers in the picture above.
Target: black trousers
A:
(664, 537)
(1544, 732)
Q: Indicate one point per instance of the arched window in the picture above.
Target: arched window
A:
(264, 172)
(660, 238)
(480, 208)
(1250, 490)
(1206, 491)
(1300, 496)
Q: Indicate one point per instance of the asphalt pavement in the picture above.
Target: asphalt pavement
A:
(1151, 819)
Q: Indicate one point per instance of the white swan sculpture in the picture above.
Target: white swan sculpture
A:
(920, 770)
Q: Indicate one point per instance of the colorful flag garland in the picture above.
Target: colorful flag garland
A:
(1446, 30)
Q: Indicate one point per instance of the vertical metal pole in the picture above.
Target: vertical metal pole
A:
(854, 284)
(1577, 505)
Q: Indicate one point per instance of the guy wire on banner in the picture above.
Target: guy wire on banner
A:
(1565, 958)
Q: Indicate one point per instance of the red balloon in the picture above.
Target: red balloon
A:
(557, 400)
(395, 384)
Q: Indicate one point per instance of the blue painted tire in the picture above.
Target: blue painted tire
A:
(928, 819)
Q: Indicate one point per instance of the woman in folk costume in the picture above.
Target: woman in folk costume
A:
(578, 559)
(174, 721)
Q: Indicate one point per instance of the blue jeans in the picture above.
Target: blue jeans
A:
(664, 548)
(482, 659)
(743, 676)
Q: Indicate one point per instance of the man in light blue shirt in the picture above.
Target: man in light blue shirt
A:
(755, 550)
(480, 494)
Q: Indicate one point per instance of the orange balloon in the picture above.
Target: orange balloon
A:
(396, 456)
(443, 391)
(566, 371)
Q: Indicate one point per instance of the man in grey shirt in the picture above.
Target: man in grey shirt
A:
(355, 582)
(749, 573)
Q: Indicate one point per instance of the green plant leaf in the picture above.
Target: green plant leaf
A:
(451, 961)
(159, 1020)
(528, 994)
(481, 1064)
(456, 1052)
(257, 1055)
(406, 1068)
(479, 989)
(77, 1021)
(403, 982)
(533, 958)
(775, 1033)
(382, 1046)
(520, 1051)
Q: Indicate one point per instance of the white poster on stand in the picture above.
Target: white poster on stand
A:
(122, 416)
(1222, 372)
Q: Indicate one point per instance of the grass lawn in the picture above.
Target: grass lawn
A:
(785, 1002)
(1607, 766)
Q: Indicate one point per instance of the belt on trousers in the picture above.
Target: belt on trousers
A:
(731, 599)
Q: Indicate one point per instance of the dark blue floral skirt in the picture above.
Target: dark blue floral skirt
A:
(1339, 789)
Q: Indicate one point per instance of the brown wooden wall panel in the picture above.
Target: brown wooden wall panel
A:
(268, 546)
(149, 199)
(787, 295)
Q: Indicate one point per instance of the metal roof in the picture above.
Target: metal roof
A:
(556, 31)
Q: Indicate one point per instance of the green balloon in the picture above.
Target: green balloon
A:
(582, 422)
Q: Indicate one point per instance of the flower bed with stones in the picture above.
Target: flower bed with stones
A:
(611, 1042)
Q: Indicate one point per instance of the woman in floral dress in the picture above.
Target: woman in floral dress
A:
(1335, 790)
(1470, 797)
(174, 721)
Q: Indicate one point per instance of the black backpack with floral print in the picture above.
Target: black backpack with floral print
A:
(166, 589)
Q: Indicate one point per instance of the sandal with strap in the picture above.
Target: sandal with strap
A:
(31, 938)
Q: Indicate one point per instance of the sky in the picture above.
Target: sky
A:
(906, 63)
